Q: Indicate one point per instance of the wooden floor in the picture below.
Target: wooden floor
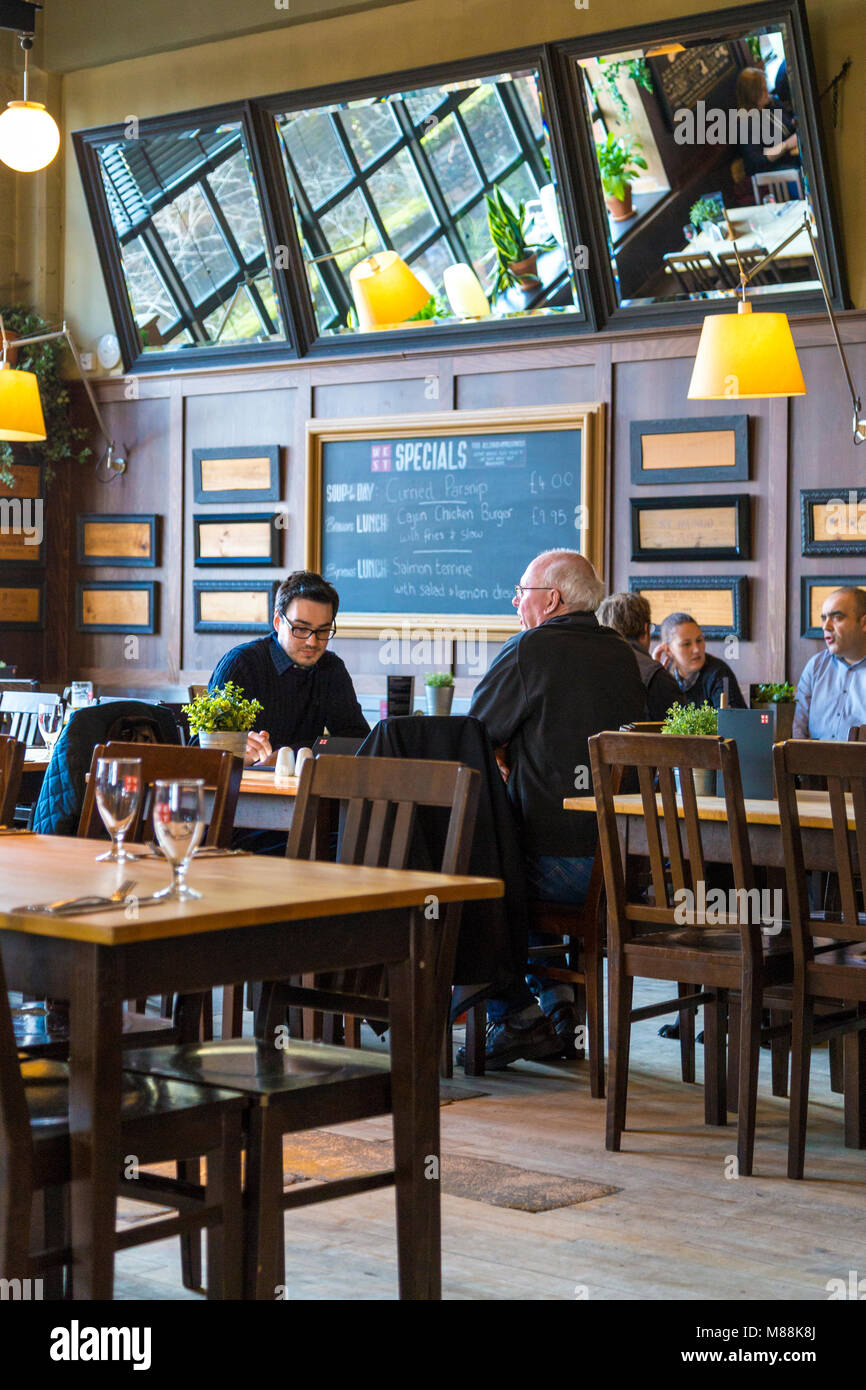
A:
(679, 1228)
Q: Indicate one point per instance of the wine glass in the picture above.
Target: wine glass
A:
(179, 824)
(118, 797)
(51, 720)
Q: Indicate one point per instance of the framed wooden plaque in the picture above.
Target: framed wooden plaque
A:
(115, 607)
(833, 521)
(719, 603)
(104, 539)
(250, 539)
(708, 449)
(22, 607)
(814, 589)
(242, 605)
(22, 517)
(249, 474)
(691, 528)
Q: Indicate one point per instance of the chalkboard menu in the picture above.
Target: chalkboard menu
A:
(435, 517)
(684, 78)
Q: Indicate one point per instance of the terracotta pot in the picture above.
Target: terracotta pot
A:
(234, 740)
(620, 209)
(525, 272)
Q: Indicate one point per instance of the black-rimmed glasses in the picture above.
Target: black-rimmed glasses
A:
(303, 634)
(521, 589)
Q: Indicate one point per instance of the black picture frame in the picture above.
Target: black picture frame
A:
(846, 496)
(118, 561)
(200, 586)
(808, 582)
(85, 586)
(273, 558)
(8, 624)
(738, 472)
(271, 493)
(741, 550)
(738, 585)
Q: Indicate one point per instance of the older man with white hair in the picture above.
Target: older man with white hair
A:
(561, 679)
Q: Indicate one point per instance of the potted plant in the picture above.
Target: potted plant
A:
(222, 718)
(619, 165)
(778, 697)
(439, 689)
(510, 230)
(708, 217)
(692, 720)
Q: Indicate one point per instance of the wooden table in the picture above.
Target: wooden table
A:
(264, 804)
(259, 919)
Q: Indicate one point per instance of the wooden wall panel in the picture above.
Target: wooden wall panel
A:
(545, 386)
(378, 396)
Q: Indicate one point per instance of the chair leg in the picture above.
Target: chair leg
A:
(715, 1100)
(446, 1056)
(855, 1086)
(233, 1012)
(733, 1086)
(801, 1060)
(476, 1040)
(264, 1254)
(189, 1170)
(352, 1031)
(750, 1050)
(225, 1240)
(619, 1037)
(779, 1053)
(593, 970)
(837, 1065)
(687, 1036)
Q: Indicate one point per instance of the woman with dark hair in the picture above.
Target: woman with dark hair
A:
(683, 652)
(757, 155)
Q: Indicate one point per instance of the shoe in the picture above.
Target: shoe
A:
(564, 1020)
(672, 1030)
(509, 1041)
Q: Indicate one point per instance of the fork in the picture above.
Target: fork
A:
(92, 900)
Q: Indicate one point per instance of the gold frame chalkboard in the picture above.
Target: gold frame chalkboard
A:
(588, 418)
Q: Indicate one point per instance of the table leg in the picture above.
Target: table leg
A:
(416, 1040)
(94, 1117)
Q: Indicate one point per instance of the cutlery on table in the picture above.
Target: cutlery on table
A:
(86, 903)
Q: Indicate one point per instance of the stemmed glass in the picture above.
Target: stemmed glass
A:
(118, 797)
(51, 719)
(179, 825)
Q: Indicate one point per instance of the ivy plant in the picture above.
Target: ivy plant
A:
(65, 440)
(636, 68)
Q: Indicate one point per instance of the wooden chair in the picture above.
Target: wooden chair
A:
(713, 960)
(786, 185)
(307, 1085)
(18, 685)
(822, 974)
(162, 1120)
(11, 770)
(749, 259)
(696, 272)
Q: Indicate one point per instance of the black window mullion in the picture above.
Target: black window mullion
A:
(359, 182)
(472, 148)
(527, 140)
(328, 271)
(431, 187)
(173, 283)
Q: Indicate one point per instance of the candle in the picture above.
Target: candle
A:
(464, 291)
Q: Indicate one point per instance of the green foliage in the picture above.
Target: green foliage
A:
(691, 719)
(222, 710)
(773, 693)
(510, 229)
(705, 210)
(433, 309)
(635, 68)
(618, 163)
(65, 440)
(439, 679)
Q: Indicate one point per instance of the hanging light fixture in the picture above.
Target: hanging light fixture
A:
(29, 137)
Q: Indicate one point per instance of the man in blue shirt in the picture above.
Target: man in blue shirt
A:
(302, 686)
(831, 692)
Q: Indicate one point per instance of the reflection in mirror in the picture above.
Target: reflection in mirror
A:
(699, 162)
(435, 205)
(189, 229)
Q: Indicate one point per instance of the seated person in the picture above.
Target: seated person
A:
(831, 692)
(784, 150)
(629, 615)
(303, 687)
(683, 652)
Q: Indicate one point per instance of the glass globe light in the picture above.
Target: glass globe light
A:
(29, 137)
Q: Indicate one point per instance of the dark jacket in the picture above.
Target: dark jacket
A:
(708, 686)
(61, 796)
(662, 690)
(546, 692)
(299, 702)
(493, 934)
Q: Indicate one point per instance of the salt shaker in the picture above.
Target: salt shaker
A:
(285, 765)
(304, 755)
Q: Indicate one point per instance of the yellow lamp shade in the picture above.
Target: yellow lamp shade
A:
(385, 290)
(21, 419)
(661, 50)
(746, 356)
(29, 138)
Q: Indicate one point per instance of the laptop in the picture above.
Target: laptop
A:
(753, 731)
(348, 747)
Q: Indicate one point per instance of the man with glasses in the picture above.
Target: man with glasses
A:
(561, 679)
(303, 687)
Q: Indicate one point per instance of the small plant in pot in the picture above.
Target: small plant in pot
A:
(439, 689)
(690, 721)
(707, 215)
(619, 165)
(510, 230)
(778, 696)
(222, 718)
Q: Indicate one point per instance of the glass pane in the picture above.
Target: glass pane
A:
(474, 230)
(345, 225)
(322, 301)
(433, 261)
(527, 90)
(454, 170)
(488, 125)
(402, 203)
(149, 298)
(195, 244)
(520, 186)
(235, 192)
(419, 104)
(371, 130)
(242, 321)
(315, 150)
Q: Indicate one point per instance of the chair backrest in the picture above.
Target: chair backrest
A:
(749, 259)
(644, 726)
(843, 766)
(784, 184)
(19, 714)
(22, 685)
(16, 1149)
(678, 872)
(221, 772)
(11, 768)
(696, 271)
(857, 733)
(195, 691)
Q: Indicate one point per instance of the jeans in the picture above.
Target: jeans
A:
(551, 879)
